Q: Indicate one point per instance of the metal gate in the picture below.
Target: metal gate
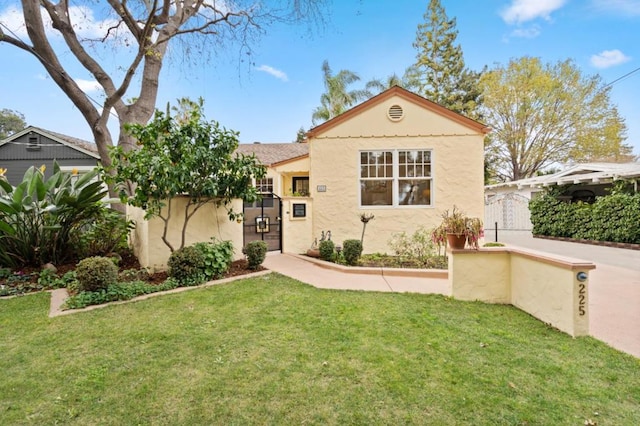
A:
(263, 221)
(509, 211)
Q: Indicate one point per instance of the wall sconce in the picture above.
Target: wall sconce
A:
(581, 276)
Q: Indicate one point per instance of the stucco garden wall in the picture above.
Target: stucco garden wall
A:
(546, 287)
(209, 221)
(296, 231)
(457, 170)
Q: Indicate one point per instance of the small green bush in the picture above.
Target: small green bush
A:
(326, 249)
(256, 252)
(106, 233)
(187, 264)
(418, 246)
(96, 273)
(217, 257)
(493, 244)
(117, 291)
(352, 250)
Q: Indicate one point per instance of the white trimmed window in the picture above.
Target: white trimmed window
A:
(264, 185)
(396, 178)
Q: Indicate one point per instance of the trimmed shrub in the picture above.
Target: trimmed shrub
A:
(187, 264)
(217, 257)
(256, 252)
(611, 218)
(326, 249)
(352, 250)
(106, 233)
(96, 273)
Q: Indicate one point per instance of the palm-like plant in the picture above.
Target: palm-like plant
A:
(337, 98)
(406, 82)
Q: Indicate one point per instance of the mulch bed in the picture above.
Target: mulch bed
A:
(27, 278)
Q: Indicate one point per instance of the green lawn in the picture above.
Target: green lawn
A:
(270, 350)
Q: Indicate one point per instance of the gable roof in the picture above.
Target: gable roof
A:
(578, 173)
(407, 95)
(81, 145)
(271, 154)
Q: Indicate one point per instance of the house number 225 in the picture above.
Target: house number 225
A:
(582, 309)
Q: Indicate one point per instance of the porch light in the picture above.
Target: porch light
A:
(581, 276)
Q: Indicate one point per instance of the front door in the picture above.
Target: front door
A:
(263, 221)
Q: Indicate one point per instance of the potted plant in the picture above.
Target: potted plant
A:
(457, 229)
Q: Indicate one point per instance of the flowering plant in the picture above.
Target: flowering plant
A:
(458, 223)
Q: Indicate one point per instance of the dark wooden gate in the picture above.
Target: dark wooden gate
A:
(263, 221)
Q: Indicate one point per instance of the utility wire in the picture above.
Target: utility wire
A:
(621, 78)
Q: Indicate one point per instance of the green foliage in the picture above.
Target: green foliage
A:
(611, 218)
(101, 235)
(184, 154)
(352, 250)
(326, 249)
(217, 258)
(117, 291)
(10, 122)
(418, 246)
(256, 251)
(96, 273)
(187, 264)
(547, 113)
(439, 73)
(337, 97)
(493, 244)
(38, 216)
(48, 279)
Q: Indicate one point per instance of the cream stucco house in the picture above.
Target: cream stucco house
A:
(397, 156)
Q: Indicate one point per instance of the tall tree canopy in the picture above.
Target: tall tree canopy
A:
(10, 122)
(140, 32)
(541, 114)
(439, 73)
(338, 97)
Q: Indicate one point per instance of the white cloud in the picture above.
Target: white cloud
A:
(527, 10)
(88, 85)
(623, 7)
(609, 58)
(531, 32)
(274, 72)
(82, 18)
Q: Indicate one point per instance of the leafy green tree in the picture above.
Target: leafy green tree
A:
(180, 155)
(337, 97)
(439, 73)
(301, 135)
(10, 122)
(544, 114)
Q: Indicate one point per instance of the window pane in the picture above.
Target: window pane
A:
(414, 192)
(376, 192)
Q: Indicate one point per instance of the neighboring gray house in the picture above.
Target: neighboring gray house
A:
(34, 146)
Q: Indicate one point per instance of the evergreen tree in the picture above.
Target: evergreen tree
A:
(439, 72)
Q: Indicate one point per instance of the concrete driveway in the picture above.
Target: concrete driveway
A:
(614, 287)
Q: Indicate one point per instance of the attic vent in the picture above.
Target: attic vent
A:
(395, 113)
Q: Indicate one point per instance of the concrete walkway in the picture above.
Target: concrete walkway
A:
(295, 266)
(614, 292)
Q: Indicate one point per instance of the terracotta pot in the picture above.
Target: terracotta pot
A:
(456, 241)
(313, 253)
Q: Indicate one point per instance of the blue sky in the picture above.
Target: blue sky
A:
(269, 99)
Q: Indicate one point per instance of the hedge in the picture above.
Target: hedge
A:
(614, 218)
